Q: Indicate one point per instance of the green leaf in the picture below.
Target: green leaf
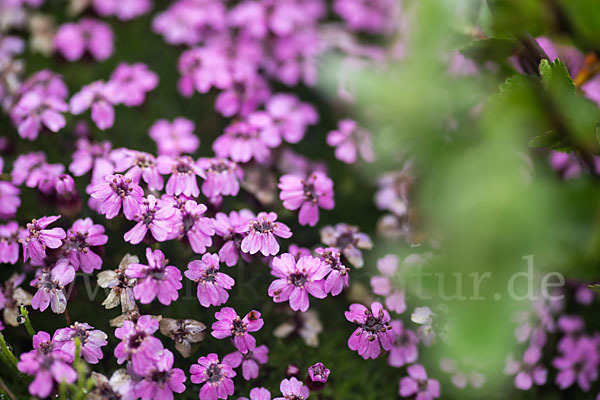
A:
(492, 49)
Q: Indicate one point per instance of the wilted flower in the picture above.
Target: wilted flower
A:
(120, 285)
(12, 297)
(120, 386)
(185, 332)
(349, 240)
(306, 324)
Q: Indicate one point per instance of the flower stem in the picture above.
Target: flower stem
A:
(6, 351)
(25, 315)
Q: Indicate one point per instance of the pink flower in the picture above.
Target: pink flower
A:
(383, 285)
(529, 371)
(247, 139)
(374, 330)
(129, 83)
(72, 39)
(307, 195)
(231, 228)
(139, 165)
(337, 278)
(176, 138)
(158, 216)
(249, 361)
(50, 286)
(91, 341)
(116, 190)
(371, 16)
(83, 235)
(36, 239)
(229, 324)
(216, 377)
(162, 379)
(297, 280)
(46, 83)
(318, 372)
(34, 109)
(292, 389)
(221, 177)
(243, 97)
(202, 68)
(195, 227)
(349, 240)
(92, 156)
(138, 344)
(97, 96)
(124, 10)
(9, 199)
(349, 140)
(9, 244)
(26, 166)
(183, 172)
(212, 284)
(157, 279)
(404, 349)
(258, 393)
(291, 116)
(417, 383)
(261, 234)
(48, 365)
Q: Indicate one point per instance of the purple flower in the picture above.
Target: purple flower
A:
(91, 341)
(349, 140)
(417, 383)
(34, 109)
(92, 156)
(162, 379)
(9, 244)
(97, 96)
(528, 371)
(174, 138)
(194, 226)
(116, 190)
(9, 199)
(202, 68)
(297, 280)
(261, 234)
(25, 168)
(291, 116)
(371, 16)
(318, 372)
(307, 195)
(48, 364)
(157, 279)
(578, 363)
(229, 324)
(383, 285)
(129, 83)
(292, 389)
(80, 237)
(258, 393)
(50, 286)
(349, 240)
(183, 172)
(124, 10)
(36, 239)
(158, 216)
(46, 83)
(139, 165)
(189, 22)
(221, 177)
(212, 284)
(72, 39)
(337, 278)
(243, 97)
(138, 344)
(374, 330)
(247, 139)
(216, 377)
(249, 361)
(404, 349)
(231, 228)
